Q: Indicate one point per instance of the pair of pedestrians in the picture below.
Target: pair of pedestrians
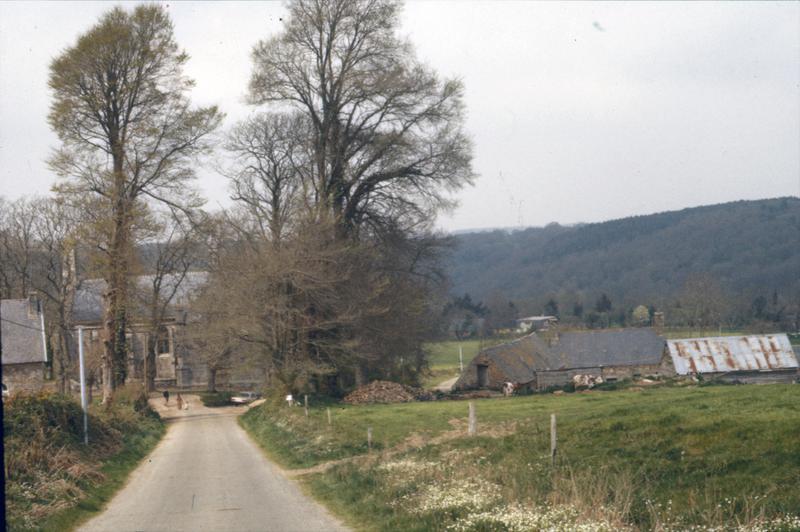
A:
(182, 405)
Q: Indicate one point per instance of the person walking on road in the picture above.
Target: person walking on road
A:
(166, 397)
(180, 401)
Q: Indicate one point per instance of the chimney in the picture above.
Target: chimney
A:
(33, 305)
(658, 320)
(551, 335)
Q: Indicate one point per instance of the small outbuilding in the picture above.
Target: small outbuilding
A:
(752, 359)
(535, 323)
(22, 342)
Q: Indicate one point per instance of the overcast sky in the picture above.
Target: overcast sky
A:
(579, 112)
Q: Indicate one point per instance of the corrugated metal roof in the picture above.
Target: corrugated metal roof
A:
(21, 332)
(732, 353)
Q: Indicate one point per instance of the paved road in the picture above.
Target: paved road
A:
(206, 474)
(447, 385)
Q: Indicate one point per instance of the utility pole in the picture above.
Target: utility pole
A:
(84, 406)
(41, 323)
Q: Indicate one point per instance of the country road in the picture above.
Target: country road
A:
(206, 474)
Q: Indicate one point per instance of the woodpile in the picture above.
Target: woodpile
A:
(386, 392)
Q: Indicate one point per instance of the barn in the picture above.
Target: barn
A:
(751, 359)
(539, 362)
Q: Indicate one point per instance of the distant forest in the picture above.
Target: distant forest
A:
(723, 264)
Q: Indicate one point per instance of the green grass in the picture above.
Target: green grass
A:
(443, 358)
(625, 452)
(115, 470)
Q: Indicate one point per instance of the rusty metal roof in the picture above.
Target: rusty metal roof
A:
(732, 353)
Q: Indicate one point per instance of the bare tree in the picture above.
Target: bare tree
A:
(269, 153)
(17, 243)
(386, 132)
(56, 230)
(703, 302)
(173, 253)
(37, 246)
(128, 134)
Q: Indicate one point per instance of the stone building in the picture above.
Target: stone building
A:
(538, 362)
(24, 354)
(174, 365)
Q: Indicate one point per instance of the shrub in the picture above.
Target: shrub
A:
(47, 465)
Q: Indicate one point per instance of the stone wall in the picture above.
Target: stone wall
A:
(26, 378)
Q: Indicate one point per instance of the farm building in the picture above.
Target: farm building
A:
(23, 347)
(535, 323)
(540, 362)
(756, 359)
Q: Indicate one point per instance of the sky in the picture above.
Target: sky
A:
(579, 112)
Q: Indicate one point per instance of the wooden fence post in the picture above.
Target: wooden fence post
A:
(328, 410)
(369, 438)
(472, 429)
(553, 438)
(306, 404)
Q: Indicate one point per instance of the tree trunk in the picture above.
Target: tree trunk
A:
(212, 379)
(150, 361)
(115, 357)
(359, 376)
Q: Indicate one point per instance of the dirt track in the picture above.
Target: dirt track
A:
(206, 474)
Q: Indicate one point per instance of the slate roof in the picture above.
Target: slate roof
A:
(520, 359)
(625, 347)
(21, 334)
(88, 304)
(732, 353)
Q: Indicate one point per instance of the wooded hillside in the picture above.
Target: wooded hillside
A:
(751, 248)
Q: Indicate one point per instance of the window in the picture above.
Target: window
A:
(162, 342)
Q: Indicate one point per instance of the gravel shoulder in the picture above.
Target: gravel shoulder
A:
(206, 474)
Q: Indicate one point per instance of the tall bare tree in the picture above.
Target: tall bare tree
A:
(17, 246)
(269, 153)
(386, 132)
(128, 135)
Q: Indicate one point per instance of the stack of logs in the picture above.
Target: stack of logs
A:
(386, 392)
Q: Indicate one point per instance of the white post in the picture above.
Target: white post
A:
(44, 336)
(553, 438)
(369, 438)
(460, 358)
(472, 427)
(83, 387)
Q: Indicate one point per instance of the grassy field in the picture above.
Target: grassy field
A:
(639, 458)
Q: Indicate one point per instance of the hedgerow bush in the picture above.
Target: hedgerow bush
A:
(47, 466)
